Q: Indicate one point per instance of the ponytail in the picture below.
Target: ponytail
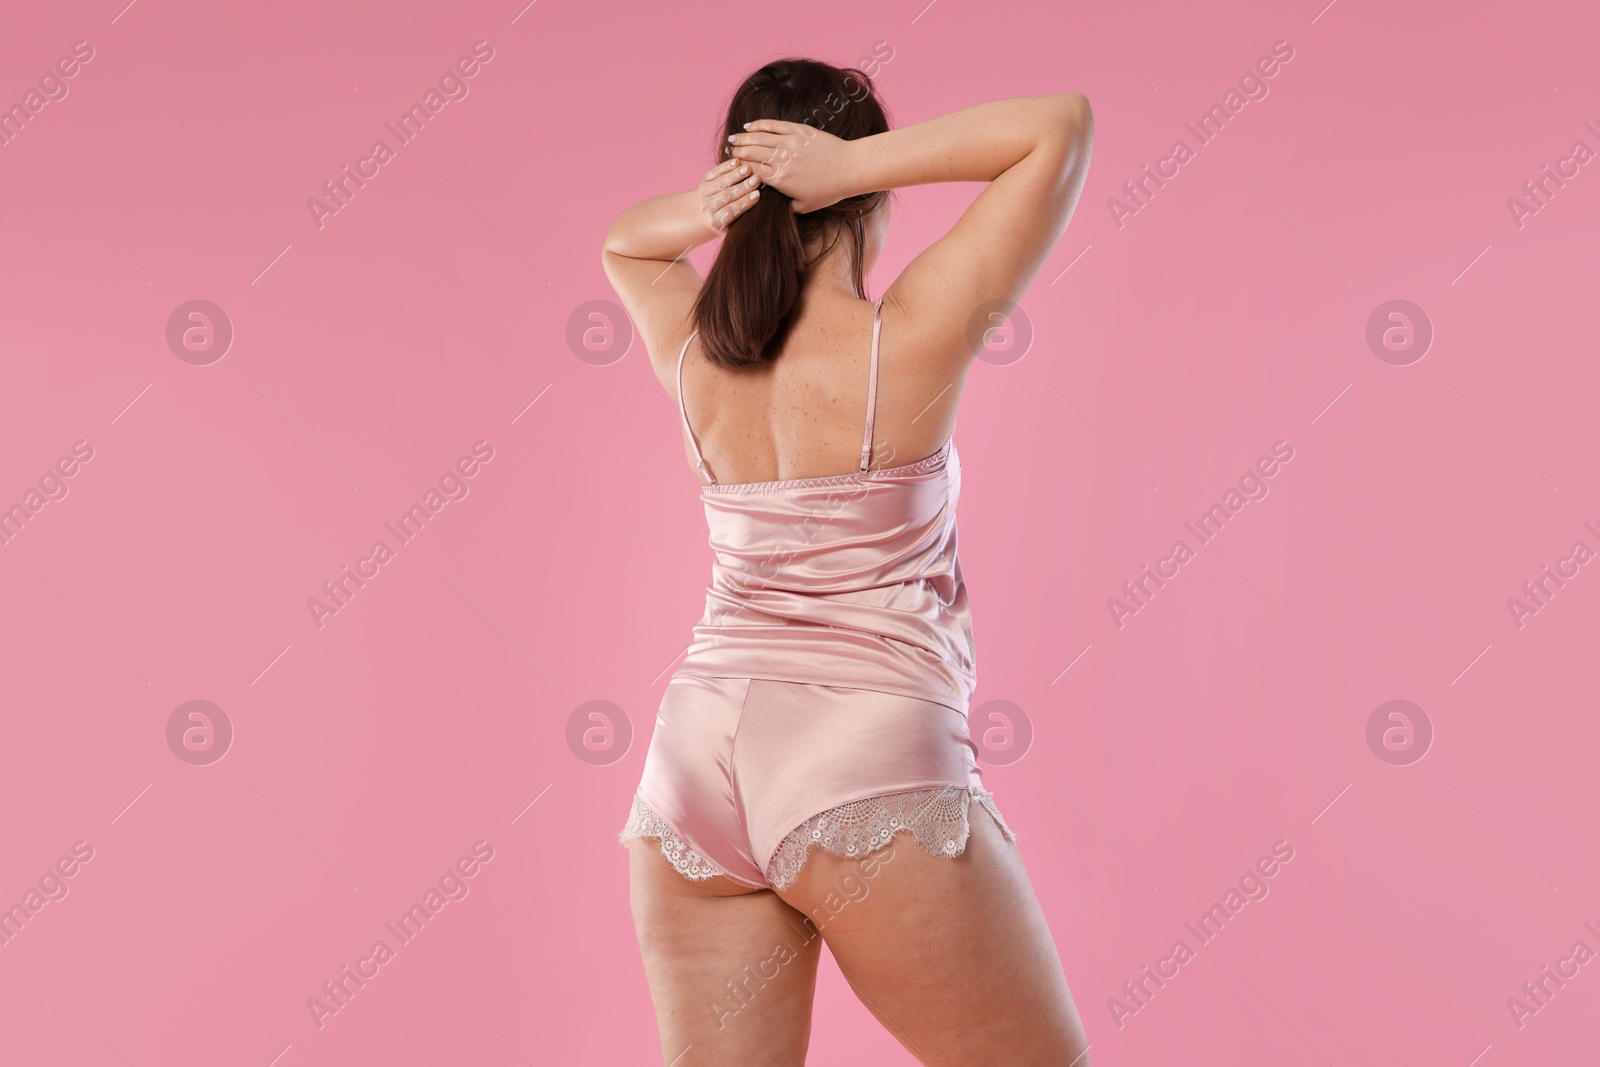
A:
(745, 306)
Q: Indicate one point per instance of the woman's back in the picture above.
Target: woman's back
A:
(802, 415)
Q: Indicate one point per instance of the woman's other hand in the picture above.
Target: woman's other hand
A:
(728, 191)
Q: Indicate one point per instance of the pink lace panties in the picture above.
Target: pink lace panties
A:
(744, 776)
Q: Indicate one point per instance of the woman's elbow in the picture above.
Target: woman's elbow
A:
(611, 242)
(1069, 137)
(1076, 116)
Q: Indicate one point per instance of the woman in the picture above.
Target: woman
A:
(820, 711)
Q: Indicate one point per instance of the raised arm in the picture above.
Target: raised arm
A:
(1033, 152)
(645, 253)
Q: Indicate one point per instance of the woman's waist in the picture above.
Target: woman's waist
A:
(922, 638)
(921, 613)
(938, 667)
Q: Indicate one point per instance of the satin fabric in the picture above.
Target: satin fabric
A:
(834, 661)
(850, 580)
(735, 764)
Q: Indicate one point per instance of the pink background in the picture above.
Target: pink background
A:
(368, 355)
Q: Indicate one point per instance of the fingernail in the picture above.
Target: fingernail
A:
(756, 195)
(731, 136)
(747, 125)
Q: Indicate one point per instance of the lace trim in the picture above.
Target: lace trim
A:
(642, 822)
(936, 818)
(921, 466)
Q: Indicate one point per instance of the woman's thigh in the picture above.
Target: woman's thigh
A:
(952, 955)
(732, 970)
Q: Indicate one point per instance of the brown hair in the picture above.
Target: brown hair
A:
(744, 308)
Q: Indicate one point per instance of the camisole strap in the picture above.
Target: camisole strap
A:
(699, 460)
(872, 386)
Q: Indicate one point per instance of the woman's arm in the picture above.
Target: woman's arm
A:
(1032, 151)
(665, 227)
(645, 251)
(662, 227)
(975, 144)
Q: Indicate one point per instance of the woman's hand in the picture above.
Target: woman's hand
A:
(801, 162)
(728, 191)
